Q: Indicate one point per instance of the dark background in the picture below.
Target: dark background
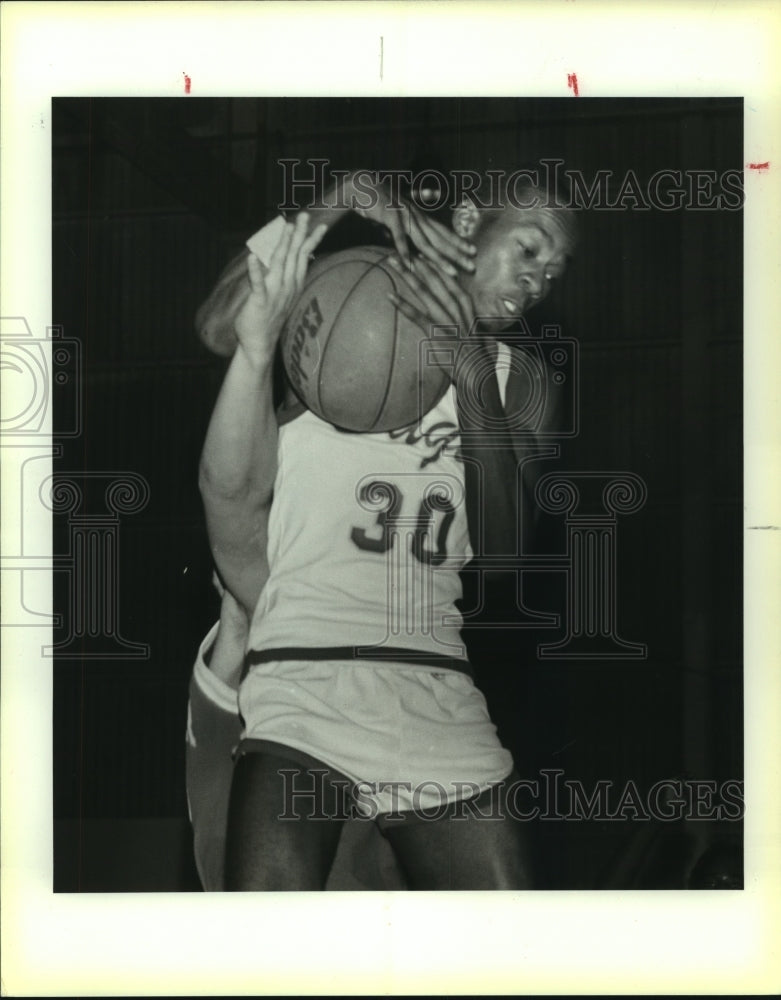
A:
(152, 197)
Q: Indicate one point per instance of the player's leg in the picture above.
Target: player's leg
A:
(461, 826)
(364, 858)
(213, 731)
(477, 844)
(284, 824)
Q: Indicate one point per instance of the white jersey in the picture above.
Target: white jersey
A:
(366, 537)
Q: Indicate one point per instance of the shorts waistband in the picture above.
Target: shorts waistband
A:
(372, 654)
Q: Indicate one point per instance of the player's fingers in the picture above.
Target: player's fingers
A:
(447, 289)
(427, 248)
(397, 222)
(307, 247)
(455, 303)
(441, 245)
(314, 239)
(406, 308)
(256, 276)
(435, 307)
(277, 260)
(290, 270)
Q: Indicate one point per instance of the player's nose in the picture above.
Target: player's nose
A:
(532, 280)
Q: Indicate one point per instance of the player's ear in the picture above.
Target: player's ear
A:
(466, 219)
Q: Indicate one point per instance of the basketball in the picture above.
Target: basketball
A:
(350, 355)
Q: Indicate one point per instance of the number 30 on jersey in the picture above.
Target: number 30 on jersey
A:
(429, 527)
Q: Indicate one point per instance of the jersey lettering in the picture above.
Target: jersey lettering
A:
(430, 503)
(439, 437)
(391, 498)
(307, 327)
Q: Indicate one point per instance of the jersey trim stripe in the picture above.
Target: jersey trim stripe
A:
(395, 654)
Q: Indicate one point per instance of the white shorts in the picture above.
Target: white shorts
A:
(407, 738)
(364, 859)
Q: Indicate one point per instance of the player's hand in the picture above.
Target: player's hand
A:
(436, 297)
(439, 301)
(274, 290)
(434, 241)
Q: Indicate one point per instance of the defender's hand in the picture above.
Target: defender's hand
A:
(274, 291)
(442, 301)
(434, 241)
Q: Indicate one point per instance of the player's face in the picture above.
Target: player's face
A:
(519, 255)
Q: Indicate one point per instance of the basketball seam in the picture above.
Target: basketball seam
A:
(393, 352)
(309, 280)
(333, 325)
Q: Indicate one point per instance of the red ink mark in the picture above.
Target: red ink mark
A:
(759, 166)
(186, 83)
(572, 81)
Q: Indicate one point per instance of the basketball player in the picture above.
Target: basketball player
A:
(403, 738)
(364, 859)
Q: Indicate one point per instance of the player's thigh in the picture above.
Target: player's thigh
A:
(213, 730)
(284, 823)
(469, 848)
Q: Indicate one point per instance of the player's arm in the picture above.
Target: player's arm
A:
(358, 191)
(442, 302)
(226, 656)
(215, 319)
(536, 438)
(238, 462)
(375, 200)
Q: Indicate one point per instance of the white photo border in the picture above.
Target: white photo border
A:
(375, 943)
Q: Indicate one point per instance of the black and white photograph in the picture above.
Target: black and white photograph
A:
(390, 451)
(570, 706)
